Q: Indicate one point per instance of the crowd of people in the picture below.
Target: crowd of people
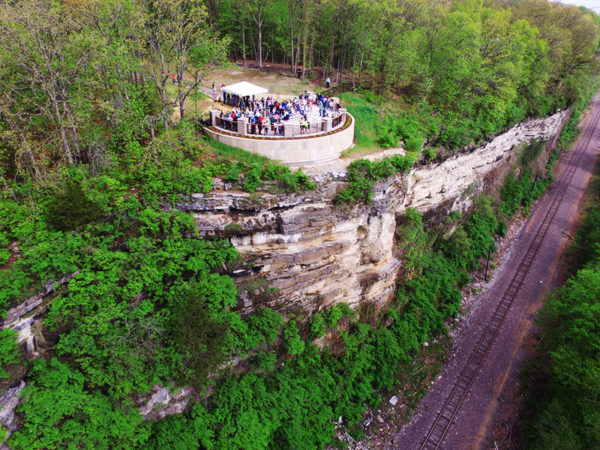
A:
(266, 116)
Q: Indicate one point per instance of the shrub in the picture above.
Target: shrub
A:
(293, 342)
(362, 175)
(415, 144)
(70, 209)
(9, 352)
(252, 178)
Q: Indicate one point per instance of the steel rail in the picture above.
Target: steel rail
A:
(446, 414)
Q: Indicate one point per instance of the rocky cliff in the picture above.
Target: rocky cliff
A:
(300, 252)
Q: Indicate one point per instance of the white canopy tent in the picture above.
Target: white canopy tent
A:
(244, 89)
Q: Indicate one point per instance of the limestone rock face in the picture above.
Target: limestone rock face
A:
(8, 404)
(160, 402)
(431, 185)
(303, 253)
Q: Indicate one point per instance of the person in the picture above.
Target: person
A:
(173, 77)
(327, 82)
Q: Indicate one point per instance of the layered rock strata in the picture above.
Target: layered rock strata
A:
(303, 253)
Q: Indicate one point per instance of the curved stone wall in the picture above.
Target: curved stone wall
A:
(297, 151)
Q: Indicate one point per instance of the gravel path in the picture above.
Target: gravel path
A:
(494, 387)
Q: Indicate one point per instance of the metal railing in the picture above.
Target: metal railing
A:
(305, 130)
(266, 129)
(281, 129)
(227, 124)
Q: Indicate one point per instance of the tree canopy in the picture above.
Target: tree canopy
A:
(96, 148)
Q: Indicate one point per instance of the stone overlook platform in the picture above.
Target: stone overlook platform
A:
(324, 141)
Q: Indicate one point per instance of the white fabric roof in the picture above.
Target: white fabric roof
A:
(243, 89)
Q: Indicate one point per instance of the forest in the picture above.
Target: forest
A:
(96, 144)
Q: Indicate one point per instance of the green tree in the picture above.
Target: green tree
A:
(59, 412)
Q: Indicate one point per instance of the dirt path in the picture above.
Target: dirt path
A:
(492, 393)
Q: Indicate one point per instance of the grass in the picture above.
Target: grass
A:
(369, 111)
(237, 154)
(367, 116)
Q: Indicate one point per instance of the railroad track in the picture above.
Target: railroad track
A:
(445, 416)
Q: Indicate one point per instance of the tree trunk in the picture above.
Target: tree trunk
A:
(160, 82)
(362, 58)
(34, 171)
(292, 60)
(181, 108)
(72, 127)
(331, 50)
(298, 48)
(304, 41)
(260, 56)
(310, 53)
(7, 188)
(165, 104)
(244, 42)
(259, 23)
(59, 121)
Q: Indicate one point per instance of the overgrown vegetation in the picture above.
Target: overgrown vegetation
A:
(93, 158)
(150, 306)
(518, 193)
(248, 171)
(582, 100)
(296, 405)
(362, 175)
(450, 74)
(562, 404)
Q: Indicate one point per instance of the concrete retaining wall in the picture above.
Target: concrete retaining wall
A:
(294, 152)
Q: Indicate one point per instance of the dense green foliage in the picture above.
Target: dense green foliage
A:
(9, 353)
(295, 405)
(519, 193)
(61, 412)
(562, 408)
(95, 153)
(149, 307)
(582, 100)
(462, 70)
(362, 175)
